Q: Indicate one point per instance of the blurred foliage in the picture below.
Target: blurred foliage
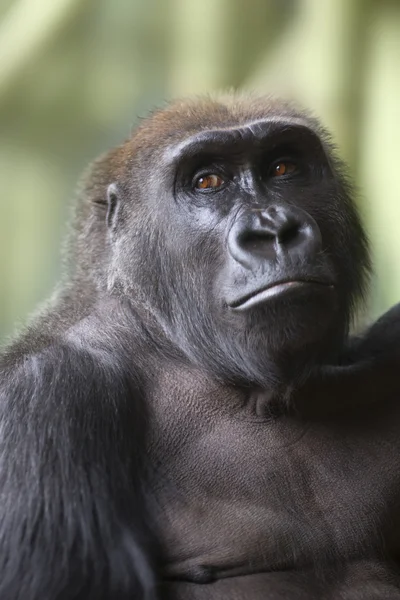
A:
(76, 74)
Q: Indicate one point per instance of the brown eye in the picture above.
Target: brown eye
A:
(283, 168)
(208, 182)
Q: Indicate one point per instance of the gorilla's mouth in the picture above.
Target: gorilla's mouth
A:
(278, 289)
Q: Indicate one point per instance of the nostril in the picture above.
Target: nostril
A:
(249, 235)
(255, 240)
(288, 233)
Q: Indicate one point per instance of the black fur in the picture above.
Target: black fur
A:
(140, 405)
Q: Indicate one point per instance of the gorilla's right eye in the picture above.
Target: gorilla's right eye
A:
(210, 181)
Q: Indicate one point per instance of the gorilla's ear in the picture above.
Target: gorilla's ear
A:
(113, 202)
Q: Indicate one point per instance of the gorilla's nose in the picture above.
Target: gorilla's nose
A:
(272, 232)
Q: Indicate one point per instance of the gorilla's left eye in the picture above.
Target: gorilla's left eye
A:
(283, 167)
(208, 182)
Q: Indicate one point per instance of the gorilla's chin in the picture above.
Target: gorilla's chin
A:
(286, 337)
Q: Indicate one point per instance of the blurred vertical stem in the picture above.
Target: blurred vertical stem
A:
(379, 149)
(317, 62)
(199, 37)
(26, 30)
(23, 35)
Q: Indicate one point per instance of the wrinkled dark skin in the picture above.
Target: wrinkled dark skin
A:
(189, 418)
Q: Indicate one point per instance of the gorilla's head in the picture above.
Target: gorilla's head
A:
(230, 225)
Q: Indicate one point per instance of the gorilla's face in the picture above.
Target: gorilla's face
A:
(249, 248)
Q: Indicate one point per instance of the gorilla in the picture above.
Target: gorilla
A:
(188, 418)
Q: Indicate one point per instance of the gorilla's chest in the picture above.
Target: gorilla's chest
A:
(241, 493)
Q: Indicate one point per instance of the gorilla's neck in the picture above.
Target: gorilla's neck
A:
(244, 361)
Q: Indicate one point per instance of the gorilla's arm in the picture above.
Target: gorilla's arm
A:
(368, 580)
(71, 519)
(368, 371)
(381, 341)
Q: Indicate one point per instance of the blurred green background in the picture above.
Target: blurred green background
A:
(76, 74)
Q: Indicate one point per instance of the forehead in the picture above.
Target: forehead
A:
(251, 132)
(196, 114)
(184, 126)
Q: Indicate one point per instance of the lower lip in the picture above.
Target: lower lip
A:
(278, 290)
